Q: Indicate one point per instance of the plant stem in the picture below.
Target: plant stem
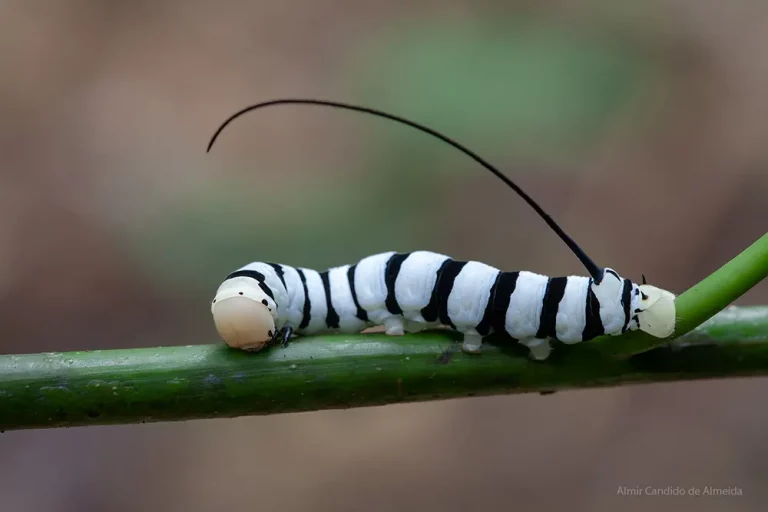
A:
(323, 372)
(700, 302)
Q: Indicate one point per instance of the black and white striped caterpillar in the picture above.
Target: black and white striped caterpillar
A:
(265, 303)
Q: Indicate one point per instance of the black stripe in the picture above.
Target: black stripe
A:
(258, 276)
(391, 271)
(306, 313)
(626, 301)
(444, 287)
(484, 327)
(552, 297)
(361, 313)
(505, 287)
(279, 272)
(594, 325)
(332, 318)
(430, 311)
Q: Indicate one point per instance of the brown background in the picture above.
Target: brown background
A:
(640, 125)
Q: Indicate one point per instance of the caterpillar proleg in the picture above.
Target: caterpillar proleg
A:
(264, 303)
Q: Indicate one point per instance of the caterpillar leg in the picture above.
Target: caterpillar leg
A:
(473, 343)
(282, 336)
(540, 348)
(394, 326)
(285, 333)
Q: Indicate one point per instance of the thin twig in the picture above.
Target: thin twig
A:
(323, 372)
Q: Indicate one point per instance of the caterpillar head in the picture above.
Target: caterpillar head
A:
(651, 309)
(655, 311)
(244, 315)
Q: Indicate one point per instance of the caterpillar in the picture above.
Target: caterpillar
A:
(261, 303)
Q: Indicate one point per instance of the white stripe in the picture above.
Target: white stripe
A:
(294, 311)
(318, 306)
(370, 287)
(608, 292)
(470, 295)
(525, 304)
(415, 282)
(571, 312)
(341, 298)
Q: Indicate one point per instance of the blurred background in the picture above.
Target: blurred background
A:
(640, 126)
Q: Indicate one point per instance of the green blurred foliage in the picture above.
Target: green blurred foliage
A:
(534, 92)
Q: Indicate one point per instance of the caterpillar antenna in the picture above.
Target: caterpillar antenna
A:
(594, 270)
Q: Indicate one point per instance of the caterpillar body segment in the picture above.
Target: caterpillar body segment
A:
(410, 292)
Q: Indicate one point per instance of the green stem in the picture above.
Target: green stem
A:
(728, 283)
(181, 383)
(700, 302)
